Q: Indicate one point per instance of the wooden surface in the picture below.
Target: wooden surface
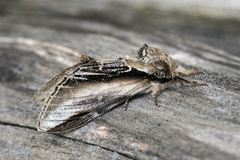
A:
(40, 38)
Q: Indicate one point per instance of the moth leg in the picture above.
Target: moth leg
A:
(182, 71)
(156, 87)
(126, 103)
(184, 81)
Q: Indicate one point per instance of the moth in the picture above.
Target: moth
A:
(92, 87)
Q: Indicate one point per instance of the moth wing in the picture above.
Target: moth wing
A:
(48, 87)
(74, 104)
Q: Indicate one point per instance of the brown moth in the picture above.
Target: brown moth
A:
(90, 88)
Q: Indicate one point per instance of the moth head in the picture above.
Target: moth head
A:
(165, 66)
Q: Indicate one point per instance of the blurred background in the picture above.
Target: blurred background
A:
(213, 22)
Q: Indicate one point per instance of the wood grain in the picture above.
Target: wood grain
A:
(38, 40)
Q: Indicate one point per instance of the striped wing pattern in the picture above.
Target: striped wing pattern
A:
(85, 91)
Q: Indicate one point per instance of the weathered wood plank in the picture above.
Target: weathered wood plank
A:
(192, 122)
(22, 143)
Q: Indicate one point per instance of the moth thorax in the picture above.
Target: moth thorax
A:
(165, 66)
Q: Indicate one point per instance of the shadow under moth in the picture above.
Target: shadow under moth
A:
(92, 87)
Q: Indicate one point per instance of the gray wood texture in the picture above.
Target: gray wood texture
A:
(40, 38)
